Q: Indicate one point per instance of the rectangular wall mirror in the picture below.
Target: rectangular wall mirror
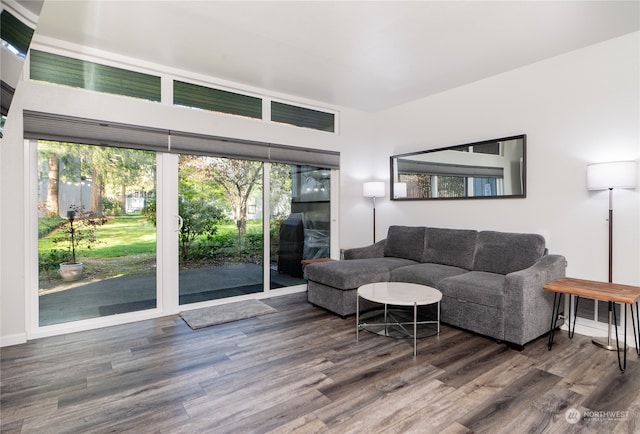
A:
(483, 170)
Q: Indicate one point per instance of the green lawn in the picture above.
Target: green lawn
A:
(120, 236)
(128, 235)
(127, 245)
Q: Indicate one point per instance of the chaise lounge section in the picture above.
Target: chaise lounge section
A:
(491, 281)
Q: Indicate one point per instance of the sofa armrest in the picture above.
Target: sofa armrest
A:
(527, 306)
(372, 251)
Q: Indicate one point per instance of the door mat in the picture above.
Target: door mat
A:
(215, 294)
(212, 315)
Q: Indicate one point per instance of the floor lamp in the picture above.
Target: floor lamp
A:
(373, 190)
(607, 176)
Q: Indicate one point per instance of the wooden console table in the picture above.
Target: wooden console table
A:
(610, 292)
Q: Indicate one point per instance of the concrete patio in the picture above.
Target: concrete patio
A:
(84, 300)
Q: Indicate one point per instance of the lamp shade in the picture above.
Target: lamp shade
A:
(399, 190)
(616, 174)
(373, 189)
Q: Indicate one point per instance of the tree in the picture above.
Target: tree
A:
(79, 231)
(237, 180)
(127, 170)
(53, 175)
(199, 217)
(54, 153)
(280, 180)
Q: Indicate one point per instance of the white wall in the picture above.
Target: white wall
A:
(576, 109)
(12, 227)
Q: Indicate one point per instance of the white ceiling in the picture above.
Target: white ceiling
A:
(359, 54)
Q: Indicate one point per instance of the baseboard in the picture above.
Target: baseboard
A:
(17, 339)
(599, 331)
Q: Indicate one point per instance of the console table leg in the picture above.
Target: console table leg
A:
(633, 325)
(636, 326)
(557, 298)
(575, 315)
(621, 365)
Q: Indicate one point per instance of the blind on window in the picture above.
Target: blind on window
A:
(67, 71)
(46, 126)
(304, 156)
(15, 32)
(302, 117)
(207, 98)
(184, 143)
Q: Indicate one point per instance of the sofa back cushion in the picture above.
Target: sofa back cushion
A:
(453, 247)
(405, 242)
(504, 253)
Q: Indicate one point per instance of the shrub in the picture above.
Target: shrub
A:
(111, 207)
(50, 260)
(79, 231)
(46, 225)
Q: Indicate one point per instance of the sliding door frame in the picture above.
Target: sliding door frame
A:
(32, 305)
(167, 282)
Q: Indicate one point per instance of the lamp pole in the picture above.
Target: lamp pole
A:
(374, 219)
(611, 235)
(373, 190)
(607, 344)
(607, 176)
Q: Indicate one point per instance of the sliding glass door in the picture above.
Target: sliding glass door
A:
(299, 220)
(221, 233)
(143, 232)
(96, 231)
(97, 212)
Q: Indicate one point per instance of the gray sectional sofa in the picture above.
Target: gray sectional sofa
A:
(491, 281)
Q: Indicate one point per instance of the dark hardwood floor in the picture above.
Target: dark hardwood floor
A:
(301, 370)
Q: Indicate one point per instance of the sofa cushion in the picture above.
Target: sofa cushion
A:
(477, 287)
(355, 272)
(504, 253)
(424, 274)
(453, 247)
(405, 242)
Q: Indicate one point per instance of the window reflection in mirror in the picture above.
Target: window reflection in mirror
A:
(489, 169)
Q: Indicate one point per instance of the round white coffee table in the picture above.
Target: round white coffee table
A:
(399, 294)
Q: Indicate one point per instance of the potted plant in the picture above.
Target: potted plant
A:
(79, 232)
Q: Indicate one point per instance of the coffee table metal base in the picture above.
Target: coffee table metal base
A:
(390, 320)
(397, 322)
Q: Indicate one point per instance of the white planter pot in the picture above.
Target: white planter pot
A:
(71, 272)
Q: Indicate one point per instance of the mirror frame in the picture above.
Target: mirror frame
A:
(522, 137)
